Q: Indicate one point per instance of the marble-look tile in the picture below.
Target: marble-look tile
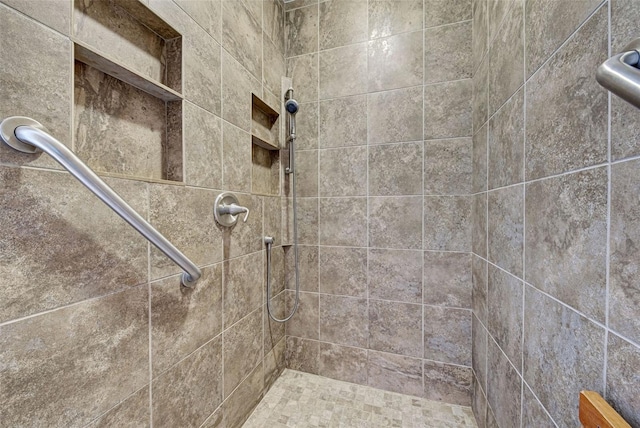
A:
(351, 230)
(395, 327)
(236, 167)
(215, 420)
(308, 223)
(57, 234)
(563, 355)
(479, 337)
(38, 85)
(505, 308)
(447, 53)
(504, 387)
(308, 268)
(202, 71)
(307, 126)
(342, 22)
(395, 62)
(116, 33)
(394, 373)
(242, 349)
(343, 171)
(207, 14)
(566, 229)
(343, 71)
(440, 12)
(447, 335)
(273, 218)
(303, 354)
(52, 13)
(480, 95)
(242, 35)
(237, 86)
(133, 412)
(274, 66)
(274, 363)
(506, 143)
(273, 23)
(387, 229)
(395, 169)
(506, 228)
(202, 147)
(623, 380)
(193, 231)
(447, 223)
(491, 419)
(479, 272)
(395, 275)
(479, 161)
(307, 173)
(108, 340)
(566, 121)
(304, 323)
(334, 130)
(304, 72)
(447, 383)
(389, 17)
(624, 288)
(549, 23)
(344, 320)
(479, 233)
(343, 271)
(479, 404)
(343, 363)
(447, 110)
(238, 406)
(480, 31)
(190, 391)
(395, 116)
(183, 319)
(301, 30)
(448, 166)
(119, 128)
(274, 332)
(625, 124)
(447, 279)
(242, 285)
(533, 414)
(506, 57)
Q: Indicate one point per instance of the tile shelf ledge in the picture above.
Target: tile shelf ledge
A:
(99, 60)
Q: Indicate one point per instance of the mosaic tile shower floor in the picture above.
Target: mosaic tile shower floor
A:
(304, 400)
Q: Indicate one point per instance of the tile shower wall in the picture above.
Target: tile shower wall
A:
(385, 181)
(556, 213)
(95, 329)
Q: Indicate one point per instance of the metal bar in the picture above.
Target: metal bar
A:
(620, 74)
(25, 132)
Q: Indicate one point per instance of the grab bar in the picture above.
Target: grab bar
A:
(28, 136)
(621, 74)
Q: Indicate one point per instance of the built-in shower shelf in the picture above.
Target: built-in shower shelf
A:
(99, 60)
(265, 130)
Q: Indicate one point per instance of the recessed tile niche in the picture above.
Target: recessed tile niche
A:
(265, 148)
(127, 90)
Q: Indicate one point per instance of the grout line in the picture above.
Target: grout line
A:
(524, 209)
(149, 288)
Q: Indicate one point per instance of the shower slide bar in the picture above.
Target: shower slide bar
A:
(620, 74)
(28, 136)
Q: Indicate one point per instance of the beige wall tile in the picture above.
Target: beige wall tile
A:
(343, 71)
(344, 320)
(242, 349)
(447, 383)
(395, 275)
(394, 373)
(242, 35)
(343, 363)
(389, 17)
(395, 116)
(342, 23)
(395, 61)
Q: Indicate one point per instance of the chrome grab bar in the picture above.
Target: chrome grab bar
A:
(621, 74)
(28, 136)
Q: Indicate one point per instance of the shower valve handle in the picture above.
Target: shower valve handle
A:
(233, 209)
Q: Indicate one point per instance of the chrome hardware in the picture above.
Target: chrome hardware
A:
(28, 136)
(620, 74)
(226, 209)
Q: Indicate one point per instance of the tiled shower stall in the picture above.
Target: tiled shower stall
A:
(468, 203)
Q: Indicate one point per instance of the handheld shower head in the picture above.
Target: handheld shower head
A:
(291, 106)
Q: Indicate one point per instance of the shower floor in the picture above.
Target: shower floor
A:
(304, 400)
